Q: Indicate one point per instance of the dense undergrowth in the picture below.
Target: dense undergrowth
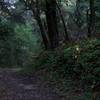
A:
(17, 43)
(79, 62)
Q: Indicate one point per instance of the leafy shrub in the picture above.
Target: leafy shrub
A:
(82, 61)
(6, 34)
(17, 44)
(90, 60)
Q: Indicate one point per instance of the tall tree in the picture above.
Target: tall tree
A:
(37, 17)
(91, 18)
(34, 7)
(78, 18)
(51, 18)
(64, 24)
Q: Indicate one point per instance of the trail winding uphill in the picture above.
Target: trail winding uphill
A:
(20, 87)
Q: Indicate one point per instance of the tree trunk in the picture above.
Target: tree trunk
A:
(64, 25)
(91, 19)
(36, 12)
(52, 23)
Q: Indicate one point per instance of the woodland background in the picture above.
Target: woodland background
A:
(59, 36)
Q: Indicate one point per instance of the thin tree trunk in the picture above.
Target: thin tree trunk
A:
(91, 19)
(64, 25)
(38, 19)
(45, 41)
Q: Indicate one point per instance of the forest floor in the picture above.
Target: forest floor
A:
(15, 86)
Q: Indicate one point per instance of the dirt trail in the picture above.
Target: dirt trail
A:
(20, 87)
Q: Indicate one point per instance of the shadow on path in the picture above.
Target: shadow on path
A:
(14, 86)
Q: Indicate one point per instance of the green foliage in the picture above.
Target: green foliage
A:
(80, 61)
(29, 42)
(90, 60)
(28, 37)
(17, 44)
(6, 29)
(6, 36)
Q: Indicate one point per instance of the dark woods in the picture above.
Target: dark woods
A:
(52, 9)
(59, 37)
(51, 23)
